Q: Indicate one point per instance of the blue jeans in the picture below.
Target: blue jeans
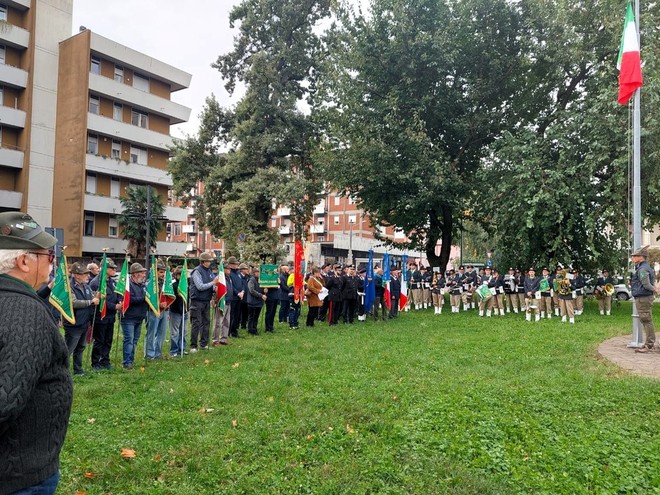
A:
(131, 330)
(46, 487)
(177, 334)
(284, 310)
(156, 329)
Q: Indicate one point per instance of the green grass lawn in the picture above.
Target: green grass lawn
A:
(423, 404)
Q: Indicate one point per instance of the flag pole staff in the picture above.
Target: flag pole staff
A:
(637, 333)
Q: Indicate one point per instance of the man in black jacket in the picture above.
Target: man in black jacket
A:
(131, 322)
(35, 384)
(395, 291)
(283, 295)
(104, 328)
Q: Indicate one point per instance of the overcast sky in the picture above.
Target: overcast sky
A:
(188, 35)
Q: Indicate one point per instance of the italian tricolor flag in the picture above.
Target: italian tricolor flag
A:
(629, 63)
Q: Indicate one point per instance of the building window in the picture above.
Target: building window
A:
(141, 83)
(116, 149)
(337, 199)
(138, 155)
(336, 219)
(3, 12)
(351, 200)
(95, 67)
(352, 218)
(89, 224)
(320, 238)
(2, 54)
(115, 187)
(118, 112)
(177, 229)
(94, 104)
(2, 95)
(92, 144)
(113, 226)
(91, 183)
(119, 73)
(139, 119)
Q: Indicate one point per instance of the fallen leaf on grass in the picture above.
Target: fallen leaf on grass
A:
(171, 390)
(330, 428)
(207, 362)
(394, 397)
(235, 365)
(141, 369)
(127, 453)
(234, 423)
(349, 429)
(157, 457)
(89, 475)
(91, 420)
(80, 492)
(309, 437)
(205, 410)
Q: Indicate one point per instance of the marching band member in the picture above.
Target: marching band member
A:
(565, 296)
(546, 294)
(454, 285)
(486, 304)
(497, 302)
(553, 284)
(438, 291)
(427, 277)
(531, 284)
(578, 284)
(510, 291)
(415, 277)
(472, 276)
(520, 290)
(604, 299)
(466, 295)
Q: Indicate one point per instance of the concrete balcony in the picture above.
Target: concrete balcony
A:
(123, 93)
(191, 210)
(18, 4)
(11, 158)
(189, 229)
(13, 76)
(319, 209)
(283, 212)
(144, 64)
(284, 230)
(129, 132)
(12, 117)
(117, 246)
(112, 206)
(10, 199)
(14, 36)
(122, 168)
(317, 229)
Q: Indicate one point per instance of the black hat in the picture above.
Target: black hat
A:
(469, 266)
(452, 271)
(461, 267)
(488, 268)
(511, 269)
(423, 268)
(545, 269)
(20, 231)
(362, 270)
(605, 270)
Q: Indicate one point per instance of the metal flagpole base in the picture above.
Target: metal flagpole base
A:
(637, 341)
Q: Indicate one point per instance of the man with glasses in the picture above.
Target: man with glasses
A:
(35, 384)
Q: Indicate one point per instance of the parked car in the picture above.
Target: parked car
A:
(621, 290)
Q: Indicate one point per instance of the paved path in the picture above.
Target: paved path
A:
(615, 350)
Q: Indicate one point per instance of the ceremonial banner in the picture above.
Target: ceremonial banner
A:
(153, 293)
(387, 295)
(60, 295)
(369, 284)
(403, 300)
(182, 288)
(268, 276)
(123, 287)
(167, 295)
(298, 271)
(629, 62)
(544, 286)
(103, 286)
(221, 288)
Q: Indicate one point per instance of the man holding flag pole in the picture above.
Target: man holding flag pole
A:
(104, 321)
(221, 307)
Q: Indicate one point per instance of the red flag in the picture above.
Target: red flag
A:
(629, 63)
(297, 271)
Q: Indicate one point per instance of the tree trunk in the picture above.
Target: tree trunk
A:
(445, 228)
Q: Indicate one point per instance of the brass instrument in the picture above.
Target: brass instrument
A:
(609, 289)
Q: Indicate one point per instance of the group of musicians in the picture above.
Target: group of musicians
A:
(493, 293)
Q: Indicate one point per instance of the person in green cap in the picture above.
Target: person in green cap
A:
(35, 384)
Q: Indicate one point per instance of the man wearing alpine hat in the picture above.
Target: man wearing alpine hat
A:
(35, 384)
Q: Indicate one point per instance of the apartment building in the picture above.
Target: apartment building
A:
(30, 32)
(114, 112)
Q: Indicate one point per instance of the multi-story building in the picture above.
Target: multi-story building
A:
(114, 114)
(30, 31)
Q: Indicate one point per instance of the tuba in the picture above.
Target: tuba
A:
(609, 289)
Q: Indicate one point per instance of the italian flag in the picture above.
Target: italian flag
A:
(629, 62)
(221, 288)
(123, 287)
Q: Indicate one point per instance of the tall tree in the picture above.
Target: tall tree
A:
(413, 93)
(560, 178)
(140, 214)
(266, 140)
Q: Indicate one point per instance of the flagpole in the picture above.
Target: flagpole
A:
(637, 333)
